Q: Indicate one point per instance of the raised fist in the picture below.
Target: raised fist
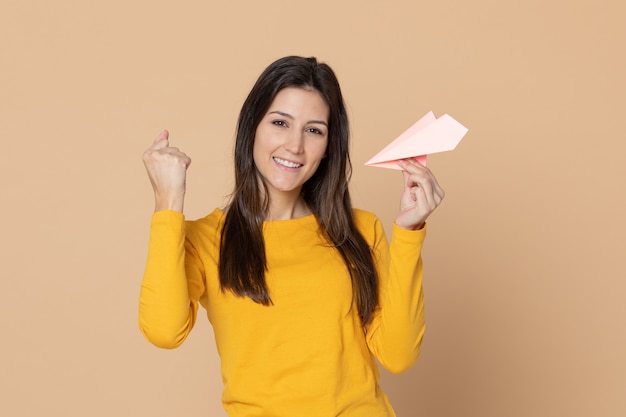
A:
(167, 170)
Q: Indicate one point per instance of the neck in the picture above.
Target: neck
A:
(282, 208)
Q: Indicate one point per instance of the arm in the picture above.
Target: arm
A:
(172, 283)
(166, 310)
(395, 334)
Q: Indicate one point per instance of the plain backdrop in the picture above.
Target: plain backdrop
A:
(525, 276)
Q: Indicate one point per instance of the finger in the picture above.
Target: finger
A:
(424, 177)
(438, 191)
(176, 153)
(421, 199)
(426, 190)
(418, 174)
(186, 160)
(413, 177)
(428, 193)
(412, 165)
(407, 179)
(410, 185)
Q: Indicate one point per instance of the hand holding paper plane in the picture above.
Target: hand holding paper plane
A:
(428, 135)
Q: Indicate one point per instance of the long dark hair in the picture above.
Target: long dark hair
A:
(242, 262)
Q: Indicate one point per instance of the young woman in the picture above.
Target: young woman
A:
(304, 293)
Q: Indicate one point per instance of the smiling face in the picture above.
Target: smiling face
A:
(291, 140)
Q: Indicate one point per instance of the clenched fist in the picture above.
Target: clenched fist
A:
(167, 170)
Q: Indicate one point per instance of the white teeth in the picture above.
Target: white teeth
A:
(287, 163)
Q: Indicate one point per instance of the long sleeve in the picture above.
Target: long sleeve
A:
(395, 334)
(172, 283)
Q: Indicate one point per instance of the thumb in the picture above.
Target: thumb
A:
(162, 141)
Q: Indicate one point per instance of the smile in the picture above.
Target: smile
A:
(286, 163)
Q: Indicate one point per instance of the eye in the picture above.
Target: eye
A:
(280, 123)
(315, 131)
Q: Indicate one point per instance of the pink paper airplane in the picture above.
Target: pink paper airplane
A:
(430, 134)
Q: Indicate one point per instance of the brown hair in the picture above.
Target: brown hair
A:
(242, 263)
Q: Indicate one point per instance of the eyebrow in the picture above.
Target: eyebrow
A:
(287, 115)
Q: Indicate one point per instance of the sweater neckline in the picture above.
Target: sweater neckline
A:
(309, 218)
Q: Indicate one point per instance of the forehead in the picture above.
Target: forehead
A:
(300, 102)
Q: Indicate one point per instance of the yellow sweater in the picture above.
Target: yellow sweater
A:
(307, 354)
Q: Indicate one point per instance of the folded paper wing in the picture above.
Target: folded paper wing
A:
(428, 135)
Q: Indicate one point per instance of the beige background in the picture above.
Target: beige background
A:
(525, 259)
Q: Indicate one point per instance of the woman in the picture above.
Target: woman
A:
(303, 292)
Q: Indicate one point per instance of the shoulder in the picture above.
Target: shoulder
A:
(209, 226)
(364, 216)
(368, 224)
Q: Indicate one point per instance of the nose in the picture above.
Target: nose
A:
(294, 142)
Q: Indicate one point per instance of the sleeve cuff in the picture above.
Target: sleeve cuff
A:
(408, 236)
(168, 219)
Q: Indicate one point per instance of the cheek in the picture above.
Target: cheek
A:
(323, 149)
(255, 152)
(258, 146)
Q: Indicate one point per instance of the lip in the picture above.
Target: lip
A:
(286, 163)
